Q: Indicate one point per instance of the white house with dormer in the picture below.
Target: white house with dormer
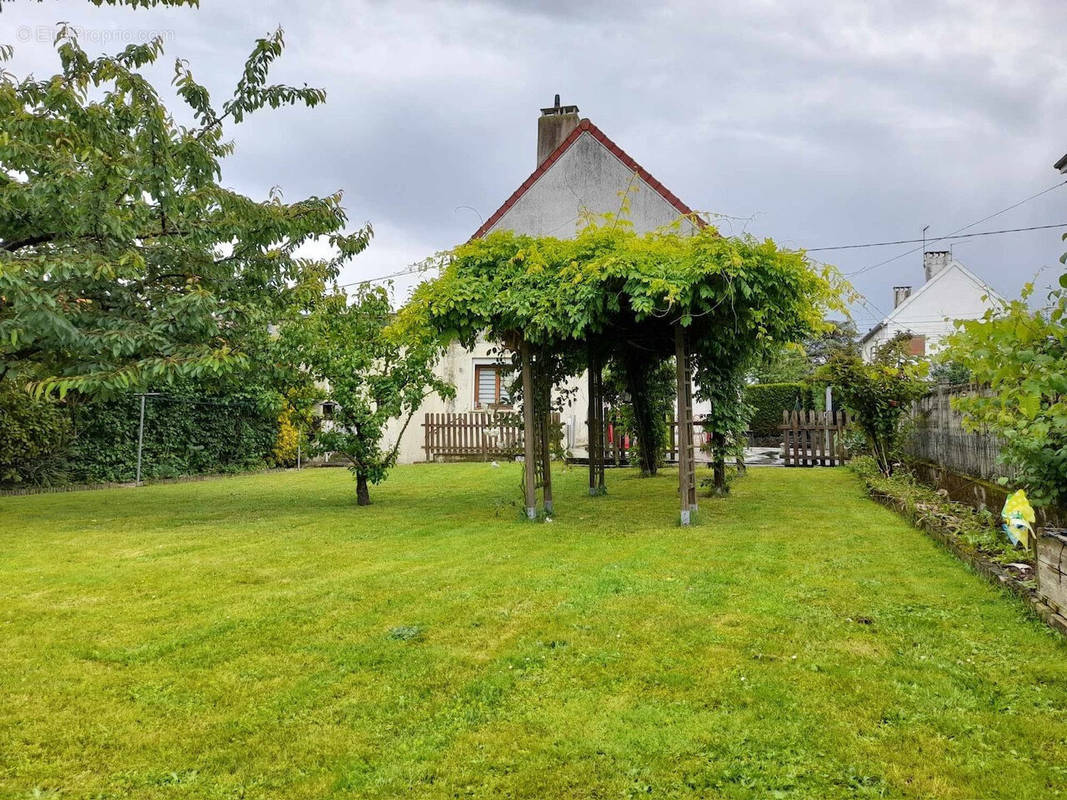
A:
(927, 314)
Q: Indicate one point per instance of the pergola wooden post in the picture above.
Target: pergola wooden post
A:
(595, 423)
(687, 492)
(528, 443)
(546, 453)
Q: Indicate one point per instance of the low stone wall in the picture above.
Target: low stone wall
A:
(988, 569)
(978, 493)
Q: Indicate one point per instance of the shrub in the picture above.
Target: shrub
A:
(287, 442)
(880, 393)
(769, 400)
(1021, 355)
(186, 433)
(34, 438)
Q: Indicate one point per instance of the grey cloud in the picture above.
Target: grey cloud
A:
(820, 122)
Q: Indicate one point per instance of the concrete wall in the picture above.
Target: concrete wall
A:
(587, 177)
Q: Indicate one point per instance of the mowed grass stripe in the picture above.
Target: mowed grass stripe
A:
(213, 638)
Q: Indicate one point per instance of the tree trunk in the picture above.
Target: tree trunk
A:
(529, 468)
(718, 462)
(362, 490)
(644, 425)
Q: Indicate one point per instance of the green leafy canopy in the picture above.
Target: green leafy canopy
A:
(623, 294)
(1017, 356)
(372, 374)
(123, 260)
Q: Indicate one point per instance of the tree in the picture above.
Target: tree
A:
(373, 374)
(643, 398)
(1017, 357)
(795, 362)
(785, 364)
(838, 336)
(879, 392)
(123, 261)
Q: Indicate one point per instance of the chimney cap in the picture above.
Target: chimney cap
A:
(558, 109)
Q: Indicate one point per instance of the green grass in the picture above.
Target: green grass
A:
(263, 637)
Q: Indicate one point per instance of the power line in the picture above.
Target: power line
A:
(414, 268)
(937, 238)
(959, 230)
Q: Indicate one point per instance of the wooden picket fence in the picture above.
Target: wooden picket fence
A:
(813, 438)
(618, 446)
(474, 436)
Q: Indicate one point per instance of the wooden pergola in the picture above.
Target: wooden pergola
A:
(659, 340)
(563, 307)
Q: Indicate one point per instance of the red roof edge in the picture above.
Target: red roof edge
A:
(584, 126)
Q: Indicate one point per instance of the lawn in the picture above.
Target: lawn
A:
(263, 637)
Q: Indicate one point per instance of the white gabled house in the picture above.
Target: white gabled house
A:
(579, 171)
(950, 292)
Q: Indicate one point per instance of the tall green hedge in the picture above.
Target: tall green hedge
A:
(187, 432)
(184, 434)
(35, 438)
(768, 400)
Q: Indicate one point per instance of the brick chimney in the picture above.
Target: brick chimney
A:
(553, 126)
(934, 261)
(900, 294)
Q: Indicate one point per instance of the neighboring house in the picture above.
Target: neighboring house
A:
(579, 171)
(951, 292)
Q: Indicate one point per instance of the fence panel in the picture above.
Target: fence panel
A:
(938, 435)
(474, 436)
(814, 438)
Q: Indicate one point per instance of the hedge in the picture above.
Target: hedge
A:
(769, 400)
(186, 432)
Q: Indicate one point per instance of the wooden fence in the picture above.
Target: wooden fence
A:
(619, 445)
(813, 438)
(490, 435)
(938, 436)
(474, 436)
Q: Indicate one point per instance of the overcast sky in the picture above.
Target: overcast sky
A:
(814, 122)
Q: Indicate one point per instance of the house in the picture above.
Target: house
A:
(950, 292)
(579, 171)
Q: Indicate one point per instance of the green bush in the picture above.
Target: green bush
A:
(1020, 355)
(34, 438)
(186, 433)
(769, 400)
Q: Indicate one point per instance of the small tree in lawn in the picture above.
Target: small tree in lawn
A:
(373, 375)
(880, 393)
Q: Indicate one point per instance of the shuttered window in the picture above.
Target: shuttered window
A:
(490, 386)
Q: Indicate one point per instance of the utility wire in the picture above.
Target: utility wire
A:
(958, 230)
(936, 238)
(414, 268)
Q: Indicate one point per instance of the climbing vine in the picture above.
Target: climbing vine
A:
(628, 293)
